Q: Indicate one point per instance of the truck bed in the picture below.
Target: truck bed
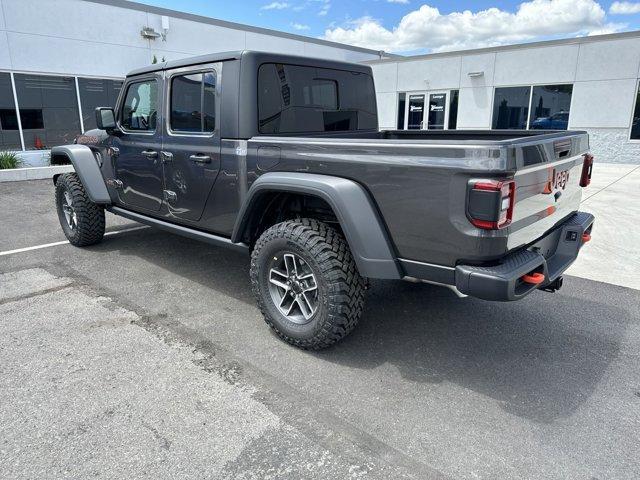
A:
(419, 182)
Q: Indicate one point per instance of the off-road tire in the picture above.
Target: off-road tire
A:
(341, 289)
(89, 217)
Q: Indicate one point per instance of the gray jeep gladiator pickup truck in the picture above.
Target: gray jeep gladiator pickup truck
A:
(281, 156)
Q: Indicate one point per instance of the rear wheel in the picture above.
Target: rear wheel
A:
(82, 220)
(306, 283)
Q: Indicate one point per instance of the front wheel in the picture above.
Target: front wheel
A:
(82, 221)
(306, 283)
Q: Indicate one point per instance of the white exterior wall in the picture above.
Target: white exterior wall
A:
(102, 39)
(79, 37)
(604, 73)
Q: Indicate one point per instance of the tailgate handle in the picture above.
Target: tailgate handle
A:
(562, 148)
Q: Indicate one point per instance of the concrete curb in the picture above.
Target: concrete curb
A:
(33, 173)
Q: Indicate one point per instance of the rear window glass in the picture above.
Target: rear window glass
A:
(297, 99)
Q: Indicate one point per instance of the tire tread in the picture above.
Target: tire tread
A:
(346, 286)
(91, 221)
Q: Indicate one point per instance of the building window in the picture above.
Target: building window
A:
(402, 101)
(140, 108)
(94, 93)
(193, 103)
(550, 106)
(321, 93)
(511, 108)
(635, 123)
(542, 107)
(453, 109)
(9, 133)
(48, 110)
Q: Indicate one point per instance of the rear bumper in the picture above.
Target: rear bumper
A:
(550, 256)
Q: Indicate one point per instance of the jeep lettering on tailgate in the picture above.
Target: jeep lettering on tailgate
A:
(560, 179)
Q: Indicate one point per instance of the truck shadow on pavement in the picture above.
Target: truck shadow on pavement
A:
(540, 358)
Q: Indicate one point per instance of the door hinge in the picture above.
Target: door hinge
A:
(167, 157)
(170, 196)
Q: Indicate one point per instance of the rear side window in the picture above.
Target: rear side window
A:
(193, 103)
(297, 99)
(140, 108)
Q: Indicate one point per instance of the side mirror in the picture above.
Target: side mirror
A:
(106, 119)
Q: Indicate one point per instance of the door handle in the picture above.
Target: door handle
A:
(199, 158)
(150, 153)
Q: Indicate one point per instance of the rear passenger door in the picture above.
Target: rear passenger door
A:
(191, 146)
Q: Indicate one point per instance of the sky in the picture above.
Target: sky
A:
(414, 26)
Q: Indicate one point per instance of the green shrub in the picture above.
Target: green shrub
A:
(9, 160)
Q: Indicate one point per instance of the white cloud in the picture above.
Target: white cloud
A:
(427, 28)
(275, 6)
(398, 1)
(608, 28)
(300, 26)
(624, 8)
(324, 8)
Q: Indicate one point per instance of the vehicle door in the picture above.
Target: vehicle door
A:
(191, 146)
(138, 169)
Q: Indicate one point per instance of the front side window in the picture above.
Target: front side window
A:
(298, 99)
(140, 108)
(550, 106)
(193, 103)
(511, 108)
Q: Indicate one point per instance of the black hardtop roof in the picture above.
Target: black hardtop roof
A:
(254, 57)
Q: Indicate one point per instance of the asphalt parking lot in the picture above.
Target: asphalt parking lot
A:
(145, 357)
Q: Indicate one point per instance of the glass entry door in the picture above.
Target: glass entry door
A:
(432, 116)
(415, 114)
(437, 111)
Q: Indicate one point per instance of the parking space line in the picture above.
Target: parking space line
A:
(54, 244)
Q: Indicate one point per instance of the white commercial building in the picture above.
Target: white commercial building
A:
(587, 83)
(59, 59)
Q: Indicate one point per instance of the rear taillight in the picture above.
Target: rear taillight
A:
(587, 168)
(490, 203)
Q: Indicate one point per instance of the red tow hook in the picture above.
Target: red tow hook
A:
(586, 237)
(533, 278)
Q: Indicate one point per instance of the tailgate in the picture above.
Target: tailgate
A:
(547, 185)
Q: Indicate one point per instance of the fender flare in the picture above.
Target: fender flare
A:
(364, 231)
(85, 165)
